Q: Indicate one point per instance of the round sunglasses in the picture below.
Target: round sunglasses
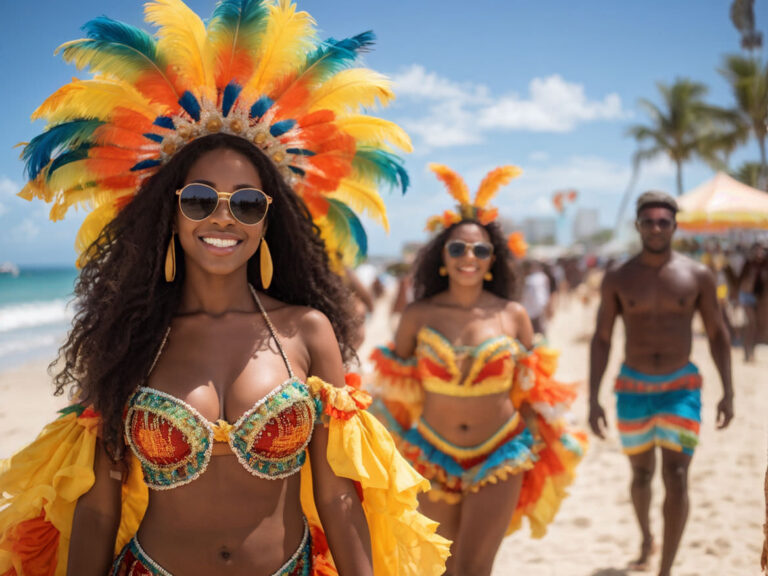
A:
(247, 205)
(457, 249)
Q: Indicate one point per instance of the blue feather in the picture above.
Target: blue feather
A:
(300, 151)
(165, 122)
(261, 106)
(382, 166)
(353, 232)
(335, 55)
(280, 128)
(105, 35)
(190, 105)
(154, 137)
(74, 155)
(296, 170)
(38, 153)
(232, 15)
(144, 164)
(231, 92)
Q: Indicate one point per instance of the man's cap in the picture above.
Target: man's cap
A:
(656, 199)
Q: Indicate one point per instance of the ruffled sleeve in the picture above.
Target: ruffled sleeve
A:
(403, 541)
(39, 488)
(397, 386)
(559, 447)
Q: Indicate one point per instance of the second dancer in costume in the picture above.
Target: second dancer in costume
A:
(467, 393)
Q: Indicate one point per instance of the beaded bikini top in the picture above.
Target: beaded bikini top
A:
(491, 369)
(174, 442)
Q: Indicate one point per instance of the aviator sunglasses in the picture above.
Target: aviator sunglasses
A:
(664, 224)
(247, 205)
(457, 249)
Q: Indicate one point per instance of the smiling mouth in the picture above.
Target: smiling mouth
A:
(467, 269)
(220, 242)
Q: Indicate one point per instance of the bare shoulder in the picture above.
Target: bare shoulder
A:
(515, 312)
(416, 313)
(688, 264)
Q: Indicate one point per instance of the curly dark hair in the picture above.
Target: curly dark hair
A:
(427, 280)
(124, 304)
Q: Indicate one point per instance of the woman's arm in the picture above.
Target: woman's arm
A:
(523, 326)
(405, 337)
(97, 519)
(336, 498)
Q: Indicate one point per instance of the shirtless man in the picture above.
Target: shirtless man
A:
(658, 389)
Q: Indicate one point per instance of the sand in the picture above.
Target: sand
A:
(595, 533)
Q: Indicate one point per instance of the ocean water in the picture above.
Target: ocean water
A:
(36, 310)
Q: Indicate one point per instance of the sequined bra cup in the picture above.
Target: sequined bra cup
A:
(175, 443)
(491, 369)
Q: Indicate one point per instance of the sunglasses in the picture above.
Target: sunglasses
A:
(457, 249)
(247, 205)
(650, 223)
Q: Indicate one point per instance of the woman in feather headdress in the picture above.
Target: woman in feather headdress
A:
(466, 392)
(214, 430)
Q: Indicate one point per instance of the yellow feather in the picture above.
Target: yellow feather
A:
(95, 98)
(91, 228)
(363, 199)
(370, 131)
(350, 90)
(288, 38)
(494, 180)
(182, 40)
(455, 183)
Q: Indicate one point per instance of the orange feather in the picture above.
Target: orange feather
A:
(455, 183)
(494, 180)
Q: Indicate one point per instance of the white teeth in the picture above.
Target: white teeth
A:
(220, 242)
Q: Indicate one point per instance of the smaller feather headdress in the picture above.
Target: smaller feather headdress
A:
(467, 209)
(254, 69)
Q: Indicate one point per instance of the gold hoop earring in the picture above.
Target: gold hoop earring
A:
(487, 276)
(170, 260)
(443, 271)
(265, 265)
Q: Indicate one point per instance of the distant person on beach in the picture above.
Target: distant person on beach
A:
(752, 283)
(537, 294)
(658, 389)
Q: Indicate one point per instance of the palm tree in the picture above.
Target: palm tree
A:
(748, 173)
(749, 81)
(686, 127)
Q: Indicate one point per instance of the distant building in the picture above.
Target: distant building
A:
(586, 223)
(541, 230)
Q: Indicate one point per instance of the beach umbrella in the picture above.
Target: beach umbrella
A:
(723, 204)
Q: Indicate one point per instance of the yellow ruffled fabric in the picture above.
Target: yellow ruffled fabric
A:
(39, 488)
(404, 542)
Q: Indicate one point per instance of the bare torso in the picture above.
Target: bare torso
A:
(657, 305)
(226, 521)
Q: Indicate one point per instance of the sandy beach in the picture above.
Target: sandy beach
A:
(595, 533)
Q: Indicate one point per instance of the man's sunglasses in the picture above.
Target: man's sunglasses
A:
(457, 249)
(247, 205)
(664, 224)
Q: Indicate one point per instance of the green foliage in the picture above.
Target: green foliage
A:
(684, 127)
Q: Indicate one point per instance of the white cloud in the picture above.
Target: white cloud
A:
(553, 105)
(460, 113)
(8, 187)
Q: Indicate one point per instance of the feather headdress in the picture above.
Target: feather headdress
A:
(257, 70)
(467, 209)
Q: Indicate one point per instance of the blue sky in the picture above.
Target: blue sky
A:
(548, 86)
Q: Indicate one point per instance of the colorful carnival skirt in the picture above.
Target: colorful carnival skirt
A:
(659, 410)
(455, 470)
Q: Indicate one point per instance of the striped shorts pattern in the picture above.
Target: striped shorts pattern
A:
(659, 409)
